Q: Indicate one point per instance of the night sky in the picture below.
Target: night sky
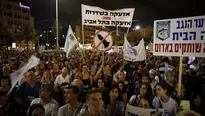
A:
(146, 11)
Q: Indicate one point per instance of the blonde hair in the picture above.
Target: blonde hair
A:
(188, 113)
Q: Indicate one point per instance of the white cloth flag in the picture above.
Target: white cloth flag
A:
(136, 53)
(15, 76)
(70, 42)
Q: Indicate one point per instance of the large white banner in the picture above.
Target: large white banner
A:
(180, 37)
(97, 16)
(136, 53)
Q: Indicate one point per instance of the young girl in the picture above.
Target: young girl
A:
(113, 104)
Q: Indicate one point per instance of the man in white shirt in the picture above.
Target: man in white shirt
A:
(73, 106)
(50, 105)
(63, 78)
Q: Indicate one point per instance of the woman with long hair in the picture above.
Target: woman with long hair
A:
(145, 91)
(113, 104)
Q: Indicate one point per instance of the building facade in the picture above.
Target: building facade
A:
(15, 16)
(89, 32)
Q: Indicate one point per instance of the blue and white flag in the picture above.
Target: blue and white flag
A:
(70, 42)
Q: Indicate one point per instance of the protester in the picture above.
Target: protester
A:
(45, 99)
(36, 110)
(94, 104)
(162, 100)
(73, 106)
(113, 104)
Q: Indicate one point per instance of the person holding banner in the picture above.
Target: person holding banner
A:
(163, 100)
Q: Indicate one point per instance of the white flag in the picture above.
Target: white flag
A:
(136, 53)
(70, 42)
(15, 76)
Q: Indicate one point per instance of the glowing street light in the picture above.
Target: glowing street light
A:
(137, 27)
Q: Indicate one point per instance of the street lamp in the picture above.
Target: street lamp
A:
(47, 35)
(137, 27)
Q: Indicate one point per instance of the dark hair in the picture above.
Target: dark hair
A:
(92, 91)
(33, 107)
(115, 86)
(164, 86)
(124, 88)
(75, 90)
(98, 80)
(148, 96)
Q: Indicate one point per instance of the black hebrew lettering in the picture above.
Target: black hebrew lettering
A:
(184, 35)
(192, 35)
(105, 43)
(175, 36)
(87, 12)
(103, 22)
(202, 35)
(199, 23)
(87, 21)
(120, 23)
(119, 14)
(183, 24)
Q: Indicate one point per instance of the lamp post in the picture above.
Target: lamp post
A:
(57, 44)
(47, 36)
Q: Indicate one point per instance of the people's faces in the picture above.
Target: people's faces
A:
(140, 67)
(144, 104)
(160, 91)
(121, 76)
(65, 71)
(197, 101)
(94, 102)
(101, 83)
(152, 75)
(79, 76)
(120, 86)
(114, 93)
(69, 96)
(47, 75)
(95, 62)
(171, 79)
(30, 76)
(4, 82)
(44, 94)
(143, 90)
(38, 112)
(85, 68)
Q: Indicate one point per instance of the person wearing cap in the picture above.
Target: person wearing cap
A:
(45, 98)
(73, 106)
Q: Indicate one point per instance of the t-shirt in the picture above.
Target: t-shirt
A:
(66, 111)
(170, 108)
(51, 109)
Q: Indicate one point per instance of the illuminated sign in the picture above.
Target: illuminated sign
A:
(13, 45)
(23, 6)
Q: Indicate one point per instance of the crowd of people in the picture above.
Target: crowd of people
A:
(97, 84)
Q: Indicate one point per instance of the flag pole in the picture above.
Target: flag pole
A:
(123, 45)
(83, 38)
